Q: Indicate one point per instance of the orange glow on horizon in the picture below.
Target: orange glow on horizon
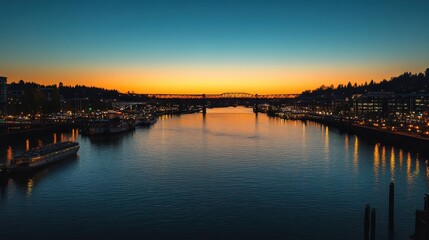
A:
(202, 79)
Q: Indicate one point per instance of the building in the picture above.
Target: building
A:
(383, 104)
(373, 104)
(420, 103)
(3, 95)
(47, 93)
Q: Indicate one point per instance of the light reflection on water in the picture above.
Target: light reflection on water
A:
(356, 154)
(383, 159)
(27, 145)
(409, 175)
(327, 143)
(227, 175)
(400, 159)
(9, 154)
(376, 161)
(392, 162)
(29, 187)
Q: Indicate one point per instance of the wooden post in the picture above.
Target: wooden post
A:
(373, 224)
(391, 205)
(427, 215)
(366, 222)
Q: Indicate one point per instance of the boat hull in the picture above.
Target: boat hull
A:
(97, 130)
(119, 129)
(48, 160)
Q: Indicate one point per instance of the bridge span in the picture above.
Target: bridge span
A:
(228, 95)
(211, 100)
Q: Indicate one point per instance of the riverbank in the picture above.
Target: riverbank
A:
(397, 139)
(24, 131)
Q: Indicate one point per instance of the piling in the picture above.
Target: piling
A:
(366, 222)
(373, 224)
(420, 227)
(427, 215)
(391, 205)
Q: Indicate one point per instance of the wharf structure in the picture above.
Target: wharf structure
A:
(396, 118)
(407, 139)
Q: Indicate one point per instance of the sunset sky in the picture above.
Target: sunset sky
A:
(211, 46)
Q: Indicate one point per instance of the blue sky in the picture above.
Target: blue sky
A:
(77, 35)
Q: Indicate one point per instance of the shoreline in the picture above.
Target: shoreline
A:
(396, 139)
(5, 136)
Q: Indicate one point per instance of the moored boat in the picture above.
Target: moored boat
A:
(40, 157)
(146, 121)
(114, 122)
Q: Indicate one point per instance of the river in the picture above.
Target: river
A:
(230, 174)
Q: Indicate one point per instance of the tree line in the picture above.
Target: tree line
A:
(31, 98)
(402, 84)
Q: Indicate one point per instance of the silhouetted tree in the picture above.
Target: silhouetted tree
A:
(349, 85)
(405, 83)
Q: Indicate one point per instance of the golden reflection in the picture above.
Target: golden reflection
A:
(400, 159)
(9, 153)
(55, 138)
(376, 160)
(409, 176)
(27, 145)
(417, 171)
(40, 143)
(346, 141)
(62, 137)
(346, 148)
(72, 135)
(392, 162)
(356, 154)
(304, 140)
(383, 158)
(327, 143)
(30, 185)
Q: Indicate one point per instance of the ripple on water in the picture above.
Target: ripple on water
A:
(225, 176)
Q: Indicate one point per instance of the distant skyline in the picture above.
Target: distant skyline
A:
(212, 46)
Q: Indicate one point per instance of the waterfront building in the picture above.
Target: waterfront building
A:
(373, 103)
(47, 93)
(15, 96)
(383, 104)
(3, 95)
(341, 106)
(420, 104)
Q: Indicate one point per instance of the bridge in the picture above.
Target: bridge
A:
(210, 100)
(122, 104)
(229, 95)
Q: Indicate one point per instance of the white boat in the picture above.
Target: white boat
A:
(40, 157)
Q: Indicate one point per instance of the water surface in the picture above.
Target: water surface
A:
(228, 175)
